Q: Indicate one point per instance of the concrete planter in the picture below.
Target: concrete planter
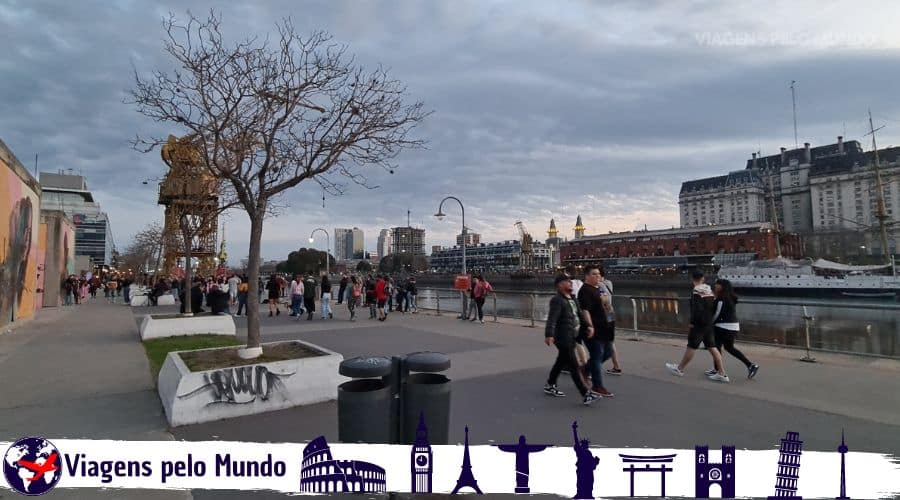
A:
(170, 325)
(165, 300)
(202, 396)
(139, 301)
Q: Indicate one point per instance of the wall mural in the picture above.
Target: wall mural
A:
(19, 222)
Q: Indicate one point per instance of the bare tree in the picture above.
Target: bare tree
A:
(145, 248)
(268, 116)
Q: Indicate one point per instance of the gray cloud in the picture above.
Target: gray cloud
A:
(542, 109)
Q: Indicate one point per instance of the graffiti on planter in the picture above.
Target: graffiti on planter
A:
(240, 385)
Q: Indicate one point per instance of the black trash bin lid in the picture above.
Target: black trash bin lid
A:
(365, 367)
(427, 362)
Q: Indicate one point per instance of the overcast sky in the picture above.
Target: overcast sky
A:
(541, 109)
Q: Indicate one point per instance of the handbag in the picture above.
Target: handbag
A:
(581, 354)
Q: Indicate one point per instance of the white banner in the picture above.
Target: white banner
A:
(333, 467)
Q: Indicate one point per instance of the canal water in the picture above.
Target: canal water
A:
(854, 326)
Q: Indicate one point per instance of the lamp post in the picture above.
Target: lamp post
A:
(327, 247)
(440, 216)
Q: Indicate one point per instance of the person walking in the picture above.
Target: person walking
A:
(342, 288)
(700, 330)
(606, 288)
(401, 296)
(233, 282)
(353, 296)
(726, 327)
(412, 293)
(563, 325)
(381, 297)
(297, 296)
(243, 293)
(274, 293)
(480, 293)
(371, 299)
(472, 311)
(326, 297)
(309, 297)
(598, 332)
(112, 287)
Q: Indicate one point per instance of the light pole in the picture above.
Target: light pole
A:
(327, 248)
(440, 216)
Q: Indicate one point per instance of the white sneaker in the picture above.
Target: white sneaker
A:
(710, 372)
(673, 367)
(720, 378)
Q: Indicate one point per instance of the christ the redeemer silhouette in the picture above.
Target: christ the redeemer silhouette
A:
(522, 450)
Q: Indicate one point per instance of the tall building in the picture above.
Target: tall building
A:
(384, 243)
(69, 193)
(821, 192)
(735, 198)
(407, 239)
(471, 238)
(553, 242)
(349, 244)
(579, 228)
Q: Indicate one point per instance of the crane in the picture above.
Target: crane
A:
(527, 259)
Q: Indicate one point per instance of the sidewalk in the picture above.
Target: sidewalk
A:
(499, 368)
(80, 372)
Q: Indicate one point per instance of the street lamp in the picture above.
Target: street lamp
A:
(327, 247)
(440, 216)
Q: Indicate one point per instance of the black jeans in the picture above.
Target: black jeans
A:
(242, 303)
(565, 360)
(725, 340)
(479, 303)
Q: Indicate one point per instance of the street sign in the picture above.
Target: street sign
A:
(461, 282)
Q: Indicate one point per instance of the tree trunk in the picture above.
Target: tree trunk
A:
(256, 227)
(188, 272)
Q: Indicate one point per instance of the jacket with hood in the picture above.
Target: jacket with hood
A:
(702, 303)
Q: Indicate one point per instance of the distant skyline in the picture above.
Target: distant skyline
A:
(541, 110)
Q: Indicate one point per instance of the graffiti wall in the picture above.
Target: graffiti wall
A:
(56, 256)
(19, 225)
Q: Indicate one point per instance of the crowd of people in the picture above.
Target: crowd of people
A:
(581, 326)
(77, 288)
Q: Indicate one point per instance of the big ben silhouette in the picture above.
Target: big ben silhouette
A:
(420, 461)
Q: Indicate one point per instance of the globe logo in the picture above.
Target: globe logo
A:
(32, 466)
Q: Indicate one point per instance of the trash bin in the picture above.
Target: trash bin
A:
(426, 391)
(364, 404)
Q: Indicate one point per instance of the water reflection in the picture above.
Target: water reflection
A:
(837, 325)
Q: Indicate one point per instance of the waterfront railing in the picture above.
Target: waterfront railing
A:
(790, 324)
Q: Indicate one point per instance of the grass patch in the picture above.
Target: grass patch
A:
(157, 349)
(228, 358)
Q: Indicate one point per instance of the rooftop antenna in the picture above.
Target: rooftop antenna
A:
(35, 165)
(407, 218)
(794, 103)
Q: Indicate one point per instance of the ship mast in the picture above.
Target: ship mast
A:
(774, 216)
(881, 213)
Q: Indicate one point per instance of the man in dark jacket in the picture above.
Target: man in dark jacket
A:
(309, 296)
(563, 324)
(701, 329)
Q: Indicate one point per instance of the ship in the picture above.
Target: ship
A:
(782, 276)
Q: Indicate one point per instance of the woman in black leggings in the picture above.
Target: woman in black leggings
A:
(727, 326)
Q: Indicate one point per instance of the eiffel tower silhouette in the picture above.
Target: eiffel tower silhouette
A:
(466, 479)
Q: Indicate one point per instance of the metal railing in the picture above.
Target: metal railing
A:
(644, 303)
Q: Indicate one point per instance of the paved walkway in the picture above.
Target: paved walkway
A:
(83, 373)
(80, 373)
